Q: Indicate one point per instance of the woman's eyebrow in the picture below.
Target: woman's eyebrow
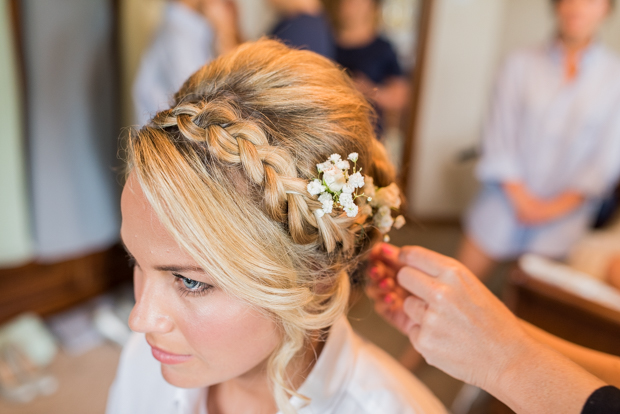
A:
(179, 269)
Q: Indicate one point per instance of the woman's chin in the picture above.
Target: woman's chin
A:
(181, 377)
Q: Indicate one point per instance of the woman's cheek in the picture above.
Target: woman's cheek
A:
(220, 327)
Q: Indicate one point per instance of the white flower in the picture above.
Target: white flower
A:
(334, 158)
(319, 213)
(353, 156)
(345, 199)
(348, 188)
(383, 219)
(324, 166)
(328, 202)
(399, 222)
(369, 187)
(387, 196)
(316, 187)
(334, 178)
(343, 165)
(356, 180)
(351, 210)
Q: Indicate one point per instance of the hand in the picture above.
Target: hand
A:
(450, 317)
(382, 288)
(532, 210)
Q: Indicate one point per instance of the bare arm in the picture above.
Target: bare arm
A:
(533, 210)
(602, 365)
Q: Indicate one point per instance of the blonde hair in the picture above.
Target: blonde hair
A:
(226, 170)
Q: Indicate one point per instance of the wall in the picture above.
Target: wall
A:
(15, 238)
(468, 39)
(462, 54)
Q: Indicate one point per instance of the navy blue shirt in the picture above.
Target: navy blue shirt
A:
(308, 32)
(377, 60)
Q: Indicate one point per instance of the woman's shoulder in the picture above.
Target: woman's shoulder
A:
(381, 384)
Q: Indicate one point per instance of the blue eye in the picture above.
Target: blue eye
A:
(190, 284)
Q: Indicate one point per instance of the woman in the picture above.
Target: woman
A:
(460, 327)
(191, 34)
(551, 150)
(303, 25)
(244, 247)
(369, 57)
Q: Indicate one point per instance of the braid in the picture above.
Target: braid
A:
(218, 126)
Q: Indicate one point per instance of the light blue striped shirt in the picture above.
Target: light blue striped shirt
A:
(182, 45)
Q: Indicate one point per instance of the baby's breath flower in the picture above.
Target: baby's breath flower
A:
(399, 222)
(328, 202)
(353, 156)
(345, 199)
(351, 210)
(356, 180)
(316, 187)
(335, 158)
(343, 165)
(319, 213)
(348, 189)
(324, 166)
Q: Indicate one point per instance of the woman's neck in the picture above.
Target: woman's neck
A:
(573, 49)
(252, 392)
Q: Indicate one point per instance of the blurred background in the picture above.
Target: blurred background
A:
(74, 75)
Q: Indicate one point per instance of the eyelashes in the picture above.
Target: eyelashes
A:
(187, 286)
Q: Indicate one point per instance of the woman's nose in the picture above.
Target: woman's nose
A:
(149, 314)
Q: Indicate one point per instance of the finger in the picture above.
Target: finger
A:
(425, 260)
(393, 301)
(417, 282)
(375, 273)
(415, 308)
(387, 284)
(389, 256)
(380, 271)
(414, 334)
(374, 293)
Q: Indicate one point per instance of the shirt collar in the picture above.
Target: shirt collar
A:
(557, 52)
(333, 369)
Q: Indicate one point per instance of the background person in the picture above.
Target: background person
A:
(369, 57)
(551, 146)
(192, 33)
(303, 25)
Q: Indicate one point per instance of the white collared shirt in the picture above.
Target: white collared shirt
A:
(182, 45)
(551, 134)
(351, 376)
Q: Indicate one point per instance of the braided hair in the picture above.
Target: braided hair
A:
(226, 169)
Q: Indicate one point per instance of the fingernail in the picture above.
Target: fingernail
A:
(389, 299)
(388, 249)
(373, 273)
(385, 284)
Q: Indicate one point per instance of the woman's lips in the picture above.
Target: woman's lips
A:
(168, 358)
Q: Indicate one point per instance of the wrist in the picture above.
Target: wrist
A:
(508, 366)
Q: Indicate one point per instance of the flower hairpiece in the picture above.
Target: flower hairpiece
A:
(336, 188)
